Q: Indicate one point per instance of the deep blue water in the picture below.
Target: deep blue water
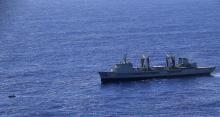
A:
(51, 51)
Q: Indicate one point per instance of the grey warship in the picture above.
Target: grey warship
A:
(124, 71)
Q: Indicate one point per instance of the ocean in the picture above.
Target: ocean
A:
(51, 51)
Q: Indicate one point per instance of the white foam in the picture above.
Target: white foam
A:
(216, 74)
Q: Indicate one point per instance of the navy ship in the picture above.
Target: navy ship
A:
(124, 71)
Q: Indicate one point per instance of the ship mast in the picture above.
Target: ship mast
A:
(125, 59)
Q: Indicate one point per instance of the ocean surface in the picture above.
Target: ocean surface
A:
(51, 51)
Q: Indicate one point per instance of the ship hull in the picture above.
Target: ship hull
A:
(118, 77)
